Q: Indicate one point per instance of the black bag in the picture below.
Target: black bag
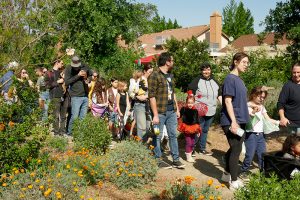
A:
(282, 167)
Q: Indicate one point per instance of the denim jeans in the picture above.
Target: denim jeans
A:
(79, 107)
(44, 96)
(141, 120)
(205, 123)
(170, 120)
(255, 143)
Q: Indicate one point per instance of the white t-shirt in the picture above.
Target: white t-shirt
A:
(258, 127)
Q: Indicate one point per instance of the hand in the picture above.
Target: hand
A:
(284, 122)
(61, 80)
(121, 115)
(255, 109)
(198, 134)
(82, 73)
(155, 120)
(178, 114)
(234, 127)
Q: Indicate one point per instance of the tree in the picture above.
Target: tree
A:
(188, 56)
(237, 20)
(158, 24)
(285, 19)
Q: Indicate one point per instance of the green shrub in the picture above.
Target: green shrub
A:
(130, 165)
(20, 143)
(91, 133)
(185, 190)
(57, 143)
(264, 188)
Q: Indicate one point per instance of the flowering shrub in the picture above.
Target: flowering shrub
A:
(130, 165)
(183, 189)
(64, 176)
(91, 133)
(57, 143)
(260, 187)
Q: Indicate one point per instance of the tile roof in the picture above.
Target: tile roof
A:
(149, 40)
(252, 40)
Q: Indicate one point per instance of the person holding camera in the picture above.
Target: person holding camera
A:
(76, 80)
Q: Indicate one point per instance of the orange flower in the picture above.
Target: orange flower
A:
(188, 179)
(2, 127)
(11, 124)
(48, 192)
(151, 147)
(85, 167)
(100, 184)
(191, 197)
(210, 182)
(211, 197)
(58, 195)
(219, 198)
(4, 184)
(201, 197)
(223, 185)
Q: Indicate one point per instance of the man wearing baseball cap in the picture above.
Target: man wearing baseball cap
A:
(76, 79)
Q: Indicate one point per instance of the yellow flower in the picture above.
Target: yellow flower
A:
(81, 197)
(210, 182)
(17, 171)
(32, 174)
(76, 189)
(4, 184)
(120, 169)
(30, 186)
(58, 175)
(118, 173)
(100, 184)
(58, 195)
(42, 187)
(48, 192)
(219, 198)
(223, 185)
(15, 183)
(49, 180)
(140, 175)
(211, 197)
(201, 197)
(21, 196)
(75, 170)
(217, 187)
(39, 161)
(74, 183)
(22, 170)
(37, 180)
(90, 198)
(23, 189)
(68, 166)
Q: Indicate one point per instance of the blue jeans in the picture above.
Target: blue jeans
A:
(142, 124)
(205, 123)
(170, 120)
(44, 96)
(79, 107)
(255, 143)
(294, 130)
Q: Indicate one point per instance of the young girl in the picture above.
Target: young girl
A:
(123, 105)
(255, 139)
(113, 112)
(189, 126)
(291, 147)
(98, 98)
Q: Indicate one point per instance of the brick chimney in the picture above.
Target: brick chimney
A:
(215, 30)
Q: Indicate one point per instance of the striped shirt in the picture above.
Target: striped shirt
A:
(158, 88)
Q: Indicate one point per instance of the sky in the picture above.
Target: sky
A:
(197, 12)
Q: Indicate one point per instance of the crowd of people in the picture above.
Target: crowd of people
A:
(150, 106)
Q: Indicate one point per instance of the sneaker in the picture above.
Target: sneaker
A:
(204, 152)
(163, 165)
(245, 176)
(226, 177)
(193, 154)
(178, 164)
(234, 185)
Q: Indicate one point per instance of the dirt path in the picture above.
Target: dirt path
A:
(205, 168)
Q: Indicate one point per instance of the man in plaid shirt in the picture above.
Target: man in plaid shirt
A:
(164, 107)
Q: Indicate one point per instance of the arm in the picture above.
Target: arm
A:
(152, 90)
(176, 104)
(118, 104)
(230, 111)
(128, 102)
(220, 99)
(282, 100)
(276, 122)
(154, 110)
(69, 79)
